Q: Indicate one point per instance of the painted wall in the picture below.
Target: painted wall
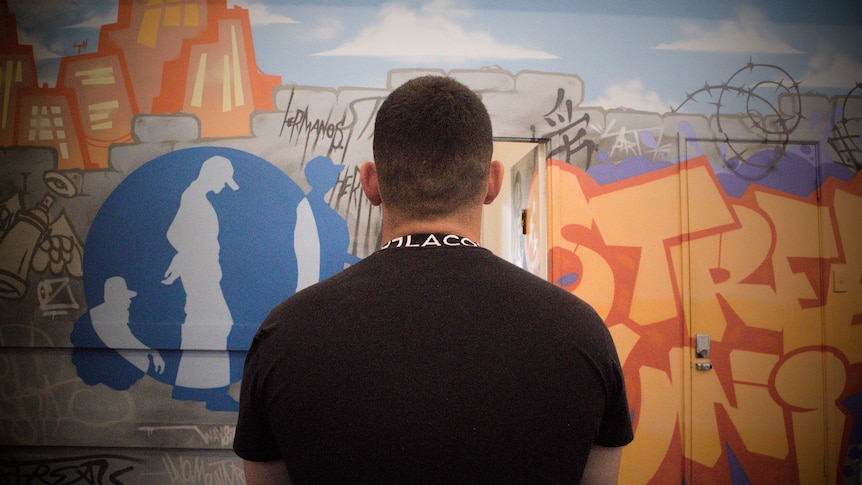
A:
(163, 168)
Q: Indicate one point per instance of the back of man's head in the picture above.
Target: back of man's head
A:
(432, 148)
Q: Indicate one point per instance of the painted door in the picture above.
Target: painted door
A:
(752, 286)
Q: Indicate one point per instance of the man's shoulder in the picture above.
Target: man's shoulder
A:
(331, 289)
(525, 281)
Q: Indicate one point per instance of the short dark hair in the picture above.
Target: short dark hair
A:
(432, 148)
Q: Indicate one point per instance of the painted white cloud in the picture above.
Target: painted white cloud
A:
(40, 50)
(830, 68)
(631, 94)
(326, 29)
(750, 33)
(259, 14)
(428, 33)
(97, 21)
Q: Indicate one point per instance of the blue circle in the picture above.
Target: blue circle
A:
(128, 239)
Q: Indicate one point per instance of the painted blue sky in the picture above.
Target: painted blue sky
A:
(644, 55)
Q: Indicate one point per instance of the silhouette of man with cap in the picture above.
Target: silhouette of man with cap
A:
(111, 323)
(202, 375)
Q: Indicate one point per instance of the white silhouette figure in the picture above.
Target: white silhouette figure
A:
(194, 234)
(306, 243)
(111, 323)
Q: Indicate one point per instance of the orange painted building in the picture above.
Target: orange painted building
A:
(104, 98)
(160, 57)
(149, 34)
(192, 56)
(49, 117)
(216, 77)
(17, 71)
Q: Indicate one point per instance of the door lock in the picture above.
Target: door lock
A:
(701, 351)
(701, 348)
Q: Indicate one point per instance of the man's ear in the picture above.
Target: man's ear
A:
(495, 181)
(368, 178)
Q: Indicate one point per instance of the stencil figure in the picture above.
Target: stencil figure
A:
(111, 323)
(202, 375)
(321, 238)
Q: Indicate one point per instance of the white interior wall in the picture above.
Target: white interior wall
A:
(497, 216)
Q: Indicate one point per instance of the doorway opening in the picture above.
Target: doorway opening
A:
(514, 226)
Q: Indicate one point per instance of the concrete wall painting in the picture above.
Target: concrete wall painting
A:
(163, 166)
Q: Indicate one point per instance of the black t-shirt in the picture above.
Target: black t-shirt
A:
(432, 364)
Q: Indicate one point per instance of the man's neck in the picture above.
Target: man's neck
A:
(467, 224)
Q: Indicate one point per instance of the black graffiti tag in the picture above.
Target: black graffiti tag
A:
(572, 132)
(299, 125)
(94, 470)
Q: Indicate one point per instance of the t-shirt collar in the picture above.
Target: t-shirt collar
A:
(420, 241)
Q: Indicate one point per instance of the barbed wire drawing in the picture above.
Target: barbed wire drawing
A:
(847, 133)
(772, 111)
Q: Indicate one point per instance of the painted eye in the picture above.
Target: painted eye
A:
(64, 184)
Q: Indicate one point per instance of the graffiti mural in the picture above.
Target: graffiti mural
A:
(744, 248)
(140, 63)
(170, 170)
(189, 288)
